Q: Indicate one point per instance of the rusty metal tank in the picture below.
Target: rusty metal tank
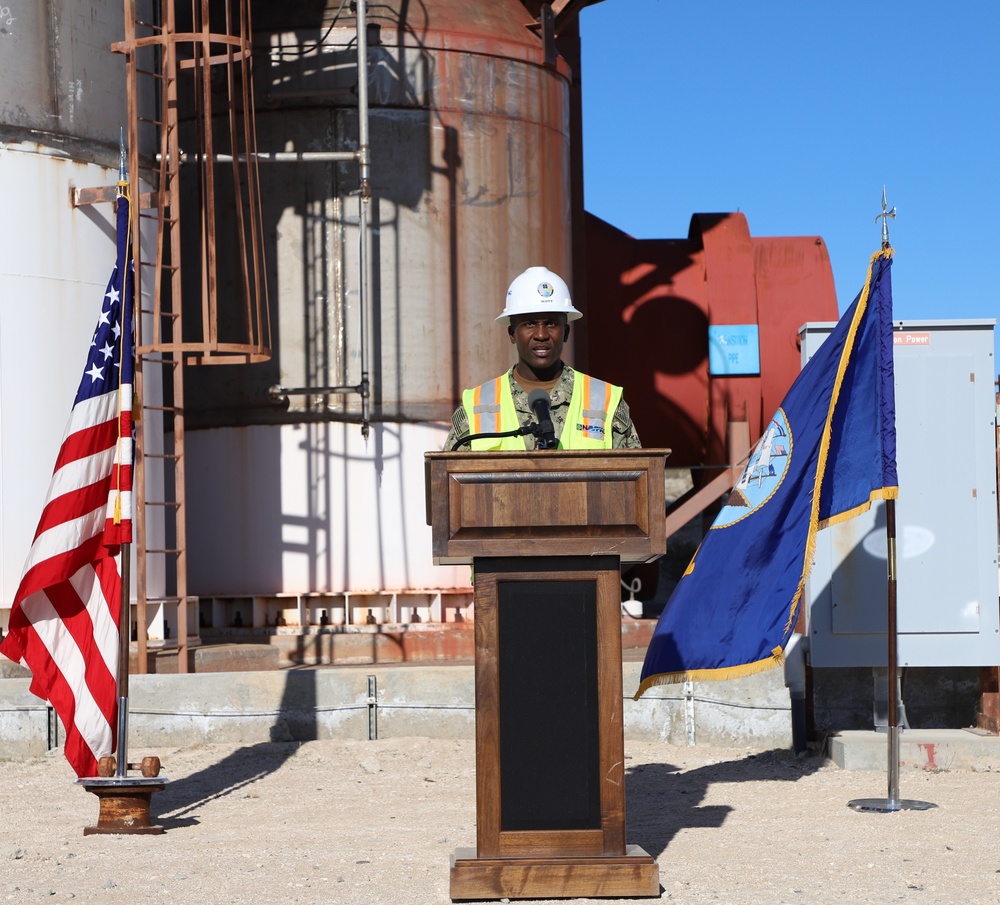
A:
(470, 184)
(63, 88)
(469, 136)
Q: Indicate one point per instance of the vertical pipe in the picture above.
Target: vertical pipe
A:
(364, 162)
(138, 461)
(180, 514)
(893, 754)
(372, 708)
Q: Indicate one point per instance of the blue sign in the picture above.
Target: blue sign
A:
(733, 349)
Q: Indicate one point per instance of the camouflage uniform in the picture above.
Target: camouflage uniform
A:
(623, 431)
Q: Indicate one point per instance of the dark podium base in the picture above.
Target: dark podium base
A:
(124, 805)
(632, 875)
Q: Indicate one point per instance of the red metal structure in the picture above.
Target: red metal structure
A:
(650, 302)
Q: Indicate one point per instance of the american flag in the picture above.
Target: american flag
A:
(64, 622)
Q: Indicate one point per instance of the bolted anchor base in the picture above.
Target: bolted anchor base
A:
(124, 805)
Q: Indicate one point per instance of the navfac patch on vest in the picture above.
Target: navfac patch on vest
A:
(591, 429)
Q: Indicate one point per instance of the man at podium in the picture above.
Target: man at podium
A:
(573, 410)
(547, 535)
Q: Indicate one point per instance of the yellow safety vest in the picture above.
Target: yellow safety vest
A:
(490, 409)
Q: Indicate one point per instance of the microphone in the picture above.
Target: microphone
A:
(540, 403)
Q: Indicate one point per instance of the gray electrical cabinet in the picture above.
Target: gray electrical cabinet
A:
(946, 515)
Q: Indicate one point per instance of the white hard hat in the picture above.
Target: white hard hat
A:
(539, 291)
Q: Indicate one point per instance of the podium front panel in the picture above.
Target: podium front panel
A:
(549, 756)
(549, 763)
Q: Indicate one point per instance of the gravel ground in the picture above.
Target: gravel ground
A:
(376, 822)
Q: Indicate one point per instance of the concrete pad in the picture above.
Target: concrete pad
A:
(9, 670)
(931, 750)
(235, 658)
(416, 699)
(24, 721)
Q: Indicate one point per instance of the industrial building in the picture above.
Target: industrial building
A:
(332, 199)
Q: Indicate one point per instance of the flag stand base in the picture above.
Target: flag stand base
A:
(889, 805)
(124, 805)
(892, 802)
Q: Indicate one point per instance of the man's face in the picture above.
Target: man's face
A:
(539, 339)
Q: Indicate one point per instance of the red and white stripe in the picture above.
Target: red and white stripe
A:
(64, 623)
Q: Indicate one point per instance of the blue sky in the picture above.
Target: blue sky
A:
(796, 114)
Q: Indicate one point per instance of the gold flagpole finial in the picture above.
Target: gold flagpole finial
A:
(884, 217)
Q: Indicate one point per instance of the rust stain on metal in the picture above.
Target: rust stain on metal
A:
(124, 809)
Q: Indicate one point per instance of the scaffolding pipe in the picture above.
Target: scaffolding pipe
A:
(364, 164)
(274, 157)
(279, 393)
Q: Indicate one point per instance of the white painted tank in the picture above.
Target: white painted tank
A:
(59, 131)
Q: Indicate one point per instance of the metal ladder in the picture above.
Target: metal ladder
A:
(157, 55)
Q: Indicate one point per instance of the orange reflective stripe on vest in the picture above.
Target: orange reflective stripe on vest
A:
(588, 421)
(486, 408)
(596, 402)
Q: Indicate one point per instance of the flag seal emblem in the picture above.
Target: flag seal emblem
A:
(764, 472)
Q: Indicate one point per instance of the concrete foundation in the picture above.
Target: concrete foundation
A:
(271, 691)
(929, 750)
(934, 698)
(436, 701)
(24, 722)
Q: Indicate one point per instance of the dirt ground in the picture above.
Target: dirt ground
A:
(376, 822)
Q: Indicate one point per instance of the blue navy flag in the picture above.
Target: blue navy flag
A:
(827, 453)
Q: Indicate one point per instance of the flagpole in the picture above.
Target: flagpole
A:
(125, 634)
(125, 567)
(892, 802)
(125, 800)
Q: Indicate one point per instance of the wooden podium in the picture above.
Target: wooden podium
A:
(546, 532)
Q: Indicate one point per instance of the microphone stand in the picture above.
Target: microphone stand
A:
(535, 430)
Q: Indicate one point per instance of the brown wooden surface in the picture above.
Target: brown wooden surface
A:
(632, 875)
(558, 502)
(517, 516)
(491, 841)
